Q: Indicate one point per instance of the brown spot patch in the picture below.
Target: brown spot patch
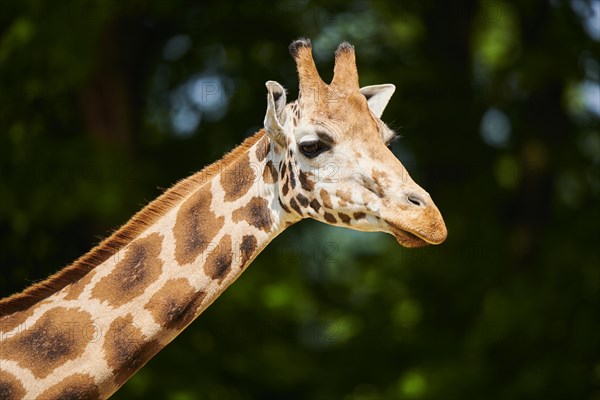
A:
(359, 215)
(292, 175)
(315, 205)
(283, 206)
(10, 387)
(237, 178)
(326, 199)
(175, 305)
(140, 267)
(122, 237)
(282, 167)
(367, 196)
(218, 262)
(76, 386)
(125, 348)
(11, 321)
(329, 218)
(302, 200)
(269, 173)
(344, 217)
(195, 226)
(285, 189)
(58, 336)
(256, 213)
(305, 181)
(380, 176)
(294, 205)
(75, 289)
(247, 248)
(262, 148)
(381, 181)
(344, 196)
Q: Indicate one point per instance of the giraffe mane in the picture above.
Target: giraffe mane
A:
(122, 236)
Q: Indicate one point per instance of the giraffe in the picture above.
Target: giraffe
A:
(83, 332)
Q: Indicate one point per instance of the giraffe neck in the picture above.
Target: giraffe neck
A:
(90, 337)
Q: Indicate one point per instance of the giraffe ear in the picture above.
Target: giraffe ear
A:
(378, 96)
(275, 117)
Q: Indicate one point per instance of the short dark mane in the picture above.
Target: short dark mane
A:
(121, 237)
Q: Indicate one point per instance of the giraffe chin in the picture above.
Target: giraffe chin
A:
(408, 239)
(404, 237)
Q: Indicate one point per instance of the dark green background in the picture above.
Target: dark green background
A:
(506, 308)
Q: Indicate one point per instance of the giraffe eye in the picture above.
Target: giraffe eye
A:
(313, 148)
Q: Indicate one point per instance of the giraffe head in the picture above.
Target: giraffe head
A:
(331, 155)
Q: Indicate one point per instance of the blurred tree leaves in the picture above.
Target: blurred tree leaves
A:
(497, 105)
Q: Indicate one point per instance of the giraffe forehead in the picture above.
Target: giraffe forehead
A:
(339, 108)
(339, 113)
(345, 104)
(351, 137)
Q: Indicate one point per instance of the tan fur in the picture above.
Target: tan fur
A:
(313, 91)
(237, 178)
(247, 248)
(255, 213)
(316, 94)
(50, 342)
(12, 388)
(123, 236)
(160, 284)
(140, 267)
(175, 305)
(345, 75)
(308, 75)
(125, 348)
(190, 238)
(218, 263)
(76, 386)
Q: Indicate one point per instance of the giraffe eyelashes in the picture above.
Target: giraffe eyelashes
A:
(313, 148)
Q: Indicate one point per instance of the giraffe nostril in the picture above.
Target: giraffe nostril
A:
(415, 199)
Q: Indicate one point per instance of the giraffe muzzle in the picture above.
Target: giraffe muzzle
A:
(409, 236)
(417, 221)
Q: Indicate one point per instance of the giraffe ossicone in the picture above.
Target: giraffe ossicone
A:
(87, 329)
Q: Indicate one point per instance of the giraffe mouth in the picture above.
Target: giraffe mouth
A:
(406, 238)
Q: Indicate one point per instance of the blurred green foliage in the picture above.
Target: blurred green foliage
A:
(104, 102)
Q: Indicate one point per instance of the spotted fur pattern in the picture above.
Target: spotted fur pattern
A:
(88, 338)
(86, 330)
